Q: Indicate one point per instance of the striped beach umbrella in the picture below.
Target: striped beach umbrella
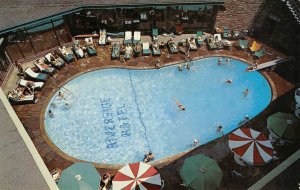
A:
(253, 147)
(137, 176)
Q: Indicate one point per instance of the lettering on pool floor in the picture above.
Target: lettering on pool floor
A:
(115, 121)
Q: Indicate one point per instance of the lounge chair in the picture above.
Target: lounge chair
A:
(192, 43)
(173, 47)
(55, 61)
(255, 46)
(67, 54)
(44, 68)
(91, 50)
(128, 37)
(136, 37)
(200, 38)
(243, 44)
(31, 84)
(260, 53)
(154, 34)
(137, 49)
(128, 52)
(35, 76)
(102, 37)
(78, 51)
(146, 49)
(115, 54)
(155, 49)
(217, 37)
(17, 96)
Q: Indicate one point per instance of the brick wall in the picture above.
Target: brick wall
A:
(238, 14)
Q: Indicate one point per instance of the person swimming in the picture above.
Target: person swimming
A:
(179, 67)
(180, 106)
(220, 60)
(228, 81)
(246, 92)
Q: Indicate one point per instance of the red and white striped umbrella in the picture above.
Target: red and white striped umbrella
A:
(252, 146)
(137, 176)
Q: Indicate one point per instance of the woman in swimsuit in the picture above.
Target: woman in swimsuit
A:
(180, 106)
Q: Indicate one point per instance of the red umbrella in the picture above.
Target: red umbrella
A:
(137, 176)
(252, 146)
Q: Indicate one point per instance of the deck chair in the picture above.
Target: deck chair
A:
(44, 68)
(91, 50)
(136, 37)
(179, 29)
(54, 60)
(102, 37)
(128, 37)
(255, 46)
(115, 54)
(218, 37)
(173, 47)
(128, 52)
(31, 84)
(78, 51)
(155, 49)
(154, 34)
(66, 54)
(17, 96)
(30, 74)
(199, 38)
(243, 44)
(146, 49)
(192, 43)
(260, 53)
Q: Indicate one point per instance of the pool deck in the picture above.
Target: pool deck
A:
(31, 114)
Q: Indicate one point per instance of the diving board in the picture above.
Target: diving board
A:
(268, 64)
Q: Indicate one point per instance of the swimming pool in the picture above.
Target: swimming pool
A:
(115, 116)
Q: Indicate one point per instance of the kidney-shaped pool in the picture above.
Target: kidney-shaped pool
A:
(115, 116)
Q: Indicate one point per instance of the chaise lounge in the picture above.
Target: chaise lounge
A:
(55, 61)
(67, 54)
(31, 84)
(35, 76)
(44, 68)
(128, 38)
(91, 50)
(115, 54)
(102, 37)
(146, 49)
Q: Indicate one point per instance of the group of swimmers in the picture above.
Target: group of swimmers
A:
(220, 60)
(61, 96)
(187, 66)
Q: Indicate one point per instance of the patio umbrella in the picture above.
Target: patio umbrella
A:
(79, 176)
(284, 126)
(252, 146)
(137, 176)
(201, 173)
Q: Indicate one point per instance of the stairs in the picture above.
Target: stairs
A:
(294, 6)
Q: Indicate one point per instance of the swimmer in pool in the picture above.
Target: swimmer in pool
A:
(228, 81)
(180, 106)
(246, 92)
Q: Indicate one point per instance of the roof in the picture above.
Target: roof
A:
(13, 12)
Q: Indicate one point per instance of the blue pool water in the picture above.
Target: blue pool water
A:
(118, 115)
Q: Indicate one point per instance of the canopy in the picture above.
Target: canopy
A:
(201, 173)
(284, 126)
(137, 176)
(253, 147)
(79, 176)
